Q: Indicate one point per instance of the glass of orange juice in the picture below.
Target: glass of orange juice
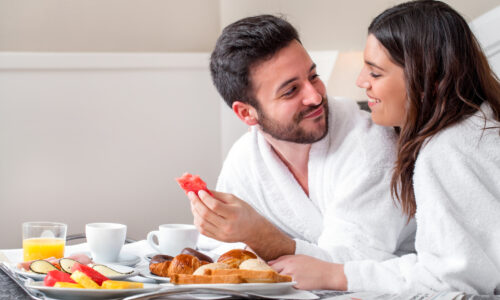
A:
(43, 240)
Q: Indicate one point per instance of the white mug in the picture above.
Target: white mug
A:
(105, 240)
(172, 238)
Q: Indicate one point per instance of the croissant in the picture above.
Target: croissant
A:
(235, 257)
(160, 269)
(183, 264)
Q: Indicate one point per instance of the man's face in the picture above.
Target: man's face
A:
(292, 99)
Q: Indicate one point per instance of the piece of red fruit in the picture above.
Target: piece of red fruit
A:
(192, 183)
(93, 274)
(56, 276)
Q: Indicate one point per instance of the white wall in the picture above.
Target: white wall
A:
(100, 137)
(184, 25)
(109, 25)
(486, 28)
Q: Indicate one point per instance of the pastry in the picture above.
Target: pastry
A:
(160, 268)
(183, 264)
(251, 276)
(199, 279)
(160, 258)
(212, 266)
(198, 254)
(256, 265)
(235, 257)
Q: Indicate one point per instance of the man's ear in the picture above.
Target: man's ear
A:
(246, 113)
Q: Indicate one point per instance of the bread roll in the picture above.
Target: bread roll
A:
(252, 276)
(212, 266)
(235, 257)
(255, 264)
(201, 279)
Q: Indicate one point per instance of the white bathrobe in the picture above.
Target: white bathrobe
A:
(457, 191)
(349, 213)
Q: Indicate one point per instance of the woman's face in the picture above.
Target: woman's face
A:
(384, 83)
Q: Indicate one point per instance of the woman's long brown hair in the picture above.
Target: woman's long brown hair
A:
(447, 79)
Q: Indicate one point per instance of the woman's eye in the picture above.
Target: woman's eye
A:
(374, 75)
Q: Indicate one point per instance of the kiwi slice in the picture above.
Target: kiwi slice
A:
(42, 267)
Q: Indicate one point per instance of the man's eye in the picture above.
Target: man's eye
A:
(374, 75)
(289, 92)
(314, 76)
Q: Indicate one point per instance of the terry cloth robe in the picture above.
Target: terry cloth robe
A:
(349, 213)
(457, 191)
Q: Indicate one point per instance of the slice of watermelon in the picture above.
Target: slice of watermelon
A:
(192, 183)
(57, 276)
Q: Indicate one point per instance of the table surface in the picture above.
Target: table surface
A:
(9, 290)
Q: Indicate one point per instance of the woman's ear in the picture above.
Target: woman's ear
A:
(246, 113)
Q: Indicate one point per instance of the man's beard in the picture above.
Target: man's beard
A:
(292, 132)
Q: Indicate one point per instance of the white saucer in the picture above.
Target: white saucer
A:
(125, 259)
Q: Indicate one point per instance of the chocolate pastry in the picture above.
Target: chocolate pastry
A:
(199, 255)
(160, 258)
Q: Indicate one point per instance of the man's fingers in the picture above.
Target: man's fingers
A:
(280, 259)
(224, 197)
(277, 266)
(214, 204)
(203, 211)
(204, 227)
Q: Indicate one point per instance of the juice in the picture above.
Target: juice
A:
(41, 248)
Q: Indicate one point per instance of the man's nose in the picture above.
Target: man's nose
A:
(312, 96)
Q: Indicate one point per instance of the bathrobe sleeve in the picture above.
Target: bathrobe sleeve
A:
(457, 189)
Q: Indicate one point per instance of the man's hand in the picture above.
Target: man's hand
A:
(311, 273)
(224, 217)
(227, 218)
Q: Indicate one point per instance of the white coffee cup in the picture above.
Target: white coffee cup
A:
(105, 240)
(172, 238)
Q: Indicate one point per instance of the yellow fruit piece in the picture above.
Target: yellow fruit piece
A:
(68, 285)
(121, 285)
(84, 280)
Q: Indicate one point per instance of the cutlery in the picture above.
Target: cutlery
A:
(211, 291)
(33, 294)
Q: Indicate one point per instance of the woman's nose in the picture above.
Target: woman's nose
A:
(362, 81)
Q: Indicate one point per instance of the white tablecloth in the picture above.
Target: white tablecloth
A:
(141, 249)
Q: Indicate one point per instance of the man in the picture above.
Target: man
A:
(312, 176)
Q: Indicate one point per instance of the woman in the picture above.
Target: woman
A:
(426, 75)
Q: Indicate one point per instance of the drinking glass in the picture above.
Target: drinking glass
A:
(42, 240)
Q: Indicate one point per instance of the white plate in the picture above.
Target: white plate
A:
(125, 259)
(258, 288)
(69, 293)
(119, 268)
(28, 274)
(144, 272)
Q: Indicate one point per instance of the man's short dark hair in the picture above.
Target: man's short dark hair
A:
(241, 45)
